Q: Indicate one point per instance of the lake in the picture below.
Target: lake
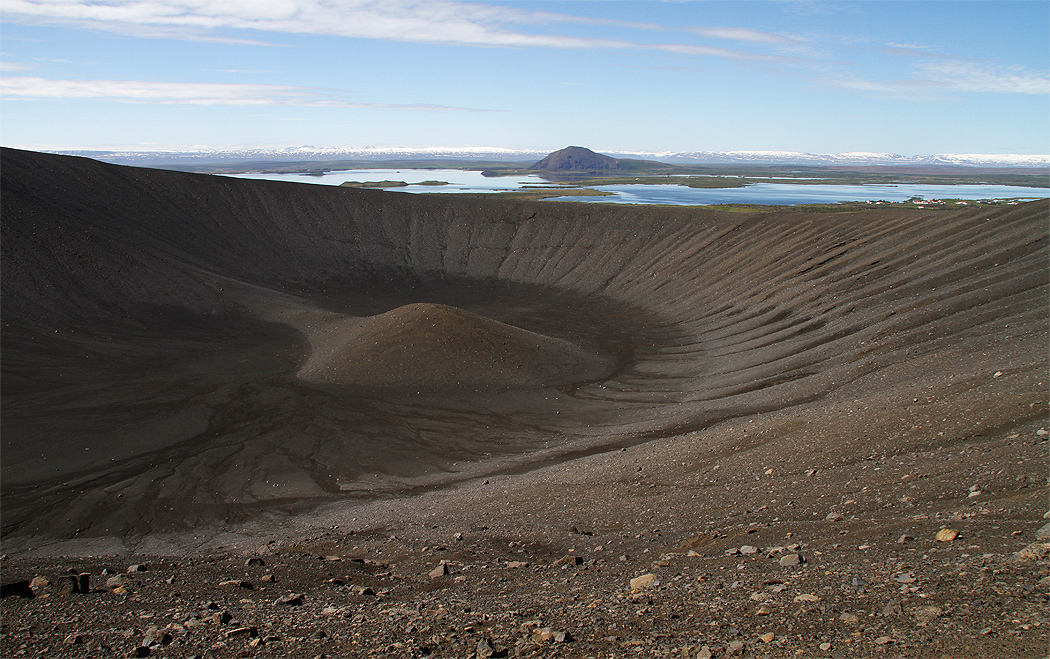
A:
(781, 194)
(458, 180)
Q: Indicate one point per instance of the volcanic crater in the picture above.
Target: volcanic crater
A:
(182, 350)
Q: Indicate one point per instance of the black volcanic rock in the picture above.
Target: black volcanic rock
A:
(575, 158)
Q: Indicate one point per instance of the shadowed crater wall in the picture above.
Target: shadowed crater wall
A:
(183, 349)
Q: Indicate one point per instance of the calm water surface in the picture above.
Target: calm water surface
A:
(458, 180)
(788, 194)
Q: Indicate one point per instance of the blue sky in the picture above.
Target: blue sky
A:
(913, 78)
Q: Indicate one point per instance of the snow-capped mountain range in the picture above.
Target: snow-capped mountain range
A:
(496, 154)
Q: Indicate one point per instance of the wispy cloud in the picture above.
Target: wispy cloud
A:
(744, 34)
(918, 51)
(187, 93)
(940, 78)
(424, 21)
(430, 21)
(960, 76)
(723, 53)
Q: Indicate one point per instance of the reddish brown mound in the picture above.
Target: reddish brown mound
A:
(433, 345)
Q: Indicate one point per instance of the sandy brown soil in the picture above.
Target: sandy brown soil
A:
(801, 403)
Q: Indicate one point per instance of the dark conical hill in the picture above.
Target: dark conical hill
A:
(576, 158)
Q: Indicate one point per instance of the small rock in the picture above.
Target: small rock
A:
(458, 537)
(926, 614)
(40, 584)
(767, 637)
(318, 635)
(268, 578)
(904, 539)
(156, 637)
(806, 597)
(254, 562)
(704, 653)
(732, 551)
(484, 649)
(439, 571)
(905, 577)
(825, 647)
(892, 609)
(833, 517)
(747, 550)
(73, 639)
(365, 591)
(849, 618)
(811, 472)
(239, 583)
(243, 631)
(568, 560)
(788, 560)
(547, 635)
(67, 584)
(735, 646)
(644, 581)
(138, 567)
(947, 535)
(517, 564)
(883, 640)
(291, 599)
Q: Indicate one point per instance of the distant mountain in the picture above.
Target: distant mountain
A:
(575, 158)
(856, 159)
(623, 160)
(307, 154)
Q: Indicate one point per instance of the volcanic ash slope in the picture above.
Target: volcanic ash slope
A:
(183, 350)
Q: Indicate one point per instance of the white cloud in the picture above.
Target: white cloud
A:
(723, 53)
(969, 77)
(430, 21)
(938, 79)
(187, 93)
(423, 21)
(742, 34)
